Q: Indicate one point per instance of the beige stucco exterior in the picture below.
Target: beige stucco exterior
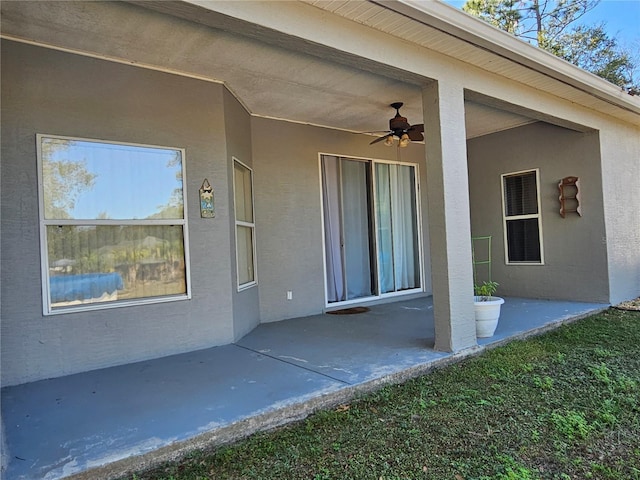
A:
(275, 88)
(567, 272)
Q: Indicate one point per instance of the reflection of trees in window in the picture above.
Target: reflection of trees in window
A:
(88, 234)
(63, 179)
(126, 249)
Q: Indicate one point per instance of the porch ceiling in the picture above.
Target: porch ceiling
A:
(331, 87)
(273, 74)
(291, 80)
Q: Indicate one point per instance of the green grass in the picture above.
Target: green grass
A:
(565, 405)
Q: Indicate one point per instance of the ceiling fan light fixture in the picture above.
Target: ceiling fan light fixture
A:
(401, 129)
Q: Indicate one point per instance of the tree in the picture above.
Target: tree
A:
(499, 13)
(593, 50)
(539, 21)
(550, 24)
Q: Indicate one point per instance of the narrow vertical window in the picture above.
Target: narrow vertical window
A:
(521, 217)
(245, 225)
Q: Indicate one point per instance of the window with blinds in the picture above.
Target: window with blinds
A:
(521, 217)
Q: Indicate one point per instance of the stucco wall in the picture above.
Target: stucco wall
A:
(44, 91)
(246, 314)
(289, 215)
(575, 256)
(620, 147)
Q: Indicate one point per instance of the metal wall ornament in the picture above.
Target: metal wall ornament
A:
(207, 204)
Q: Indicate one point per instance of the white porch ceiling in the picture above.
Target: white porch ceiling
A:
(282, 79)
(272, 74)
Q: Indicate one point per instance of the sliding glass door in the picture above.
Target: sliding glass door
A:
(371, 228)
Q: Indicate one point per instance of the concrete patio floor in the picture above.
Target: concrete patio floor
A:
(108, 422)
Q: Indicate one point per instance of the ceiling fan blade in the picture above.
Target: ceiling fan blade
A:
(417, 128)
(382, 138)
(415, 136)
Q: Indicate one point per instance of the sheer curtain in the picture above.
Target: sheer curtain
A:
(385, 229)
(332, 230)
(356, 234)
(397, 228)
(345, 185)
(404, 227)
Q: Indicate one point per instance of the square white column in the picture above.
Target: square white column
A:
(449, 216)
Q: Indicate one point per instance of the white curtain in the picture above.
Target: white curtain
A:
(385, 235)
(332, 230)
(397, 231)
(355, 205)
(404, 227)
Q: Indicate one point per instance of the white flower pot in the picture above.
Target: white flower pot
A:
(487, 314)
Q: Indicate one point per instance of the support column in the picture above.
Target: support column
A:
(448, 214)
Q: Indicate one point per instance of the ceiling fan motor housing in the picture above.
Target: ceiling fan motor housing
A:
(398, 123)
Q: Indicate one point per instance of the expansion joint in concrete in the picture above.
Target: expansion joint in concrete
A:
(335, 379)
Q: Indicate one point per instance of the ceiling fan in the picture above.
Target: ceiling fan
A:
(401, 129)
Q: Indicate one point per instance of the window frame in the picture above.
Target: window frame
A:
(506, 218)
(43, 223)
(241, 223)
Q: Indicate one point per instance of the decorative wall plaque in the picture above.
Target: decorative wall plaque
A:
(207, 206)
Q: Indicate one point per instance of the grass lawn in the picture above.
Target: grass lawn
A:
(565, 405)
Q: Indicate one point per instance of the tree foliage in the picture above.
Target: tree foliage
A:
(499, 13)
(593, 50)
(64, 179)
(551, 25)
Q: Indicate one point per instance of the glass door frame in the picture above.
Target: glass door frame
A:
(374, 226)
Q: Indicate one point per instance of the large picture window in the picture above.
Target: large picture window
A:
(521, 216)
(245, 225)
(113, 224)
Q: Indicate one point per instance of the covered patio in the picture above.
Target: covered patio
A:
(105, 423)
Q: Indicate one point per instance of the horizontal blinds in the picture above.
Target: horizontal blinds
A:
(523, 240)
(520, 194)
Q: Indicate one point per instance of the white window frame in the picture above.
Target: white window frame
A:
(47, 308)
(240, 223)
(537, 216)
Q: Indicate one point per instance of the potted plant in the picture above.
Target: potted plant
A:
(487, 308)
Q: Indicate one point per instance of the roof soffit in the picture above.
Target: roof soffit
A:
(447, 30)
(435, 26)
(306, 81)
